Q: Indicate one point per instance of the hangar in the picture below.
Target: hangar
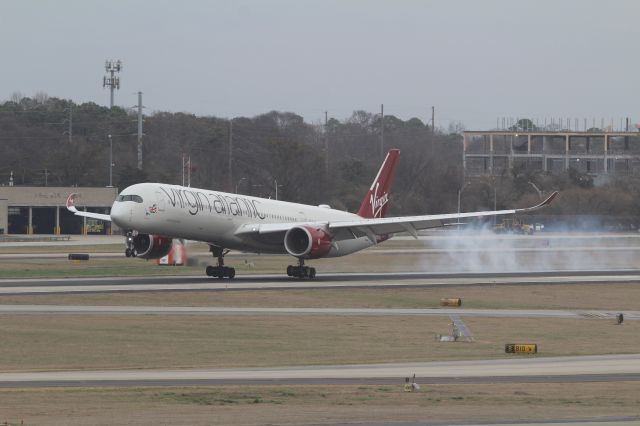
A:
(42, 210)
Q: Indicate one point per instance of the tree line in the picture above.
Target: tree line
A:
(46, 140)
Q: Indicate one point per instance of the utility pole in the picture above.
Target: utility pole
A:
(326, 148)
(110, 161)
(186, 164)
(381, 132)
(70, 124)
(230, 167)
(433, 133)
(112, 81)
(433, 123)
(140, 130)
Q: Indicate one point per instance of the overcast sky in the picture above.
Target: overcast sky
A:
(473, 60)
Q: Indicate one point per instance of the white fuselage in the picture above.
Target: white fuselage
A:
(215, 217)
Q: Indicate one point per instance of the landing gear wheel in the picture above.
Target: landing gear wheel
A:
(301, 271)
(219, 270)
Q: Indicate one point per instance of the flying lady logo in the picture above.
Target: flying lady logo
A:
(377, 203)
(151, 210)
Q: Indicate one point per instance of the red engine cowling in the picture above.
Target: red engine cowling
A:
(307, 242)
(151, 246)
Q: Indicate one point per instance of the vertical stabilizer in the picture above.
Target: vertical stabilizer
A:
(376, 201)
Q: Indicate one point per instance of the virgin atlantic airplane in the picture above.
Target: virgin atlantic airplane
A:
(152, 214)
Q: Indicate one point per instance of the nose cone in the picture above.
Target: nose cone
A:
(120, 214)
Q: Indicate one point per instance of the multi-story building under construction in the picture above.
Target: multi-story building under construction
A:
(495, 153)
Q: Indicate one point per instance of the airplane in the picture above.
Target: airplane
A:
(153, 214)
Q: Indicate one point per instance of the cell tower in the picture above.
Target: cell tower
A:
(112, 67)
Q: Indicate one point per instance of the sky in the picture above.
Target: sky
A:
(474, 61)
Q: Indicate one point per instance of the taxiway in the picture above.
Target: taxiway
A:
(557, 369)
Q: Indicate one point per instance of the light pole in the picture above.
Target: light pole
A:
(537, 189)
(238, 183)
(275, 184)
(460, 194)
(495, 196)
(110, 161)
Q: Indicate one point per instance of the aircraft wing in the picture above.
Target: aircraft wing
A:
(389, 225)
(72, 208)
(411, 224)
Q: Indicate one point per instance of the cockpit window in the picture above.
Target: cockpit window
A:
(134, 198)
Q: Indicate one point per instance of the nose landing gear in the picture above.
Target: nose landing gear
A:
(219, 270)
(301, 271)
(130, 251)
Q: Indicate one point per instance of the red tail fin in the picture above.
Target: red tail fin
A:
(376, 201)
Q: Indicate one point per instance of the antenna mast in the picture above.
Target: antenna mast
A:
(112, 81)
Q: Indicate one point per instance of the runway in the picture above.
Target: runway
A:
(515, 370)
(522, 251)
(324, 281)
(227, 311)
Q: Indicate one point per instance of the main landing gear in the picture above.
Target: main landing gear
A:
(301, 271)
(220, 270)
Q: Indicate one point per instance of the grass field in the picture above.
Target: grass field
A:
(290, 405)
(71, 342)
(603, 296)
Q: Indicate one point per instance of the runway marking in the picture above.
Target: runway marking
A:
(206, 310)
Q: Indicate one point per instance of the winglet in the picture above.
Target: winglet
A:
(546, 202)
(71, 203)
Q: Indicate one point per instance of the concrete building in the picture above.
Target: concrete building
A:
(42, 210)
(493, 153)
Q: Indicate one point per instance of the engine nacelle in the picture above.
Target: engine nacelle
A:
(307, 242)
(151, 246)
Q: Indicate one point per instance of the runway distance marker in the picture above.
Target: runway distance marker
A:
(450, 302)
(516, 348)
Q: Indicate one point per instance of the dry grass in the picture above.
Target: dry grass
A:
(61, 342)
(604, 296)
(287, 405)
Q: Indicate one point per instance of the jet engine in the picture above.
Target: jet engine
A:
(150, 246)
(307, 242)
